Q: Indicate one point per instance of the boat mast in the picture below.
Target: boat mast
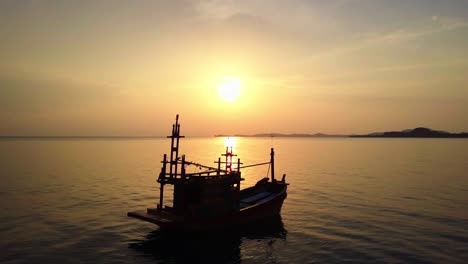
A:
(228, 162)
(174, 147)
(162, 176)
(272, 161)
(173, 161)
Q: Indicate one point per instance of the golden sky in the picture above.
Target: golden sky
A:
(127, 67)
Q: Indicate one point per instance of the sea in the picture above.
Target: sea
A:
(350, 200)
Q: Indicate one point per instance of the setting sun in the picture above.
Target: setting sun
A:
(229, 89)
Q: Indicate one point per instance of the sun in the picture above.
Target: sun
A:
(229, 88)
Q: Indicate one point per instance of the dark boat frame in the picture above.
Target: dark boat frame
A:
(212, 199)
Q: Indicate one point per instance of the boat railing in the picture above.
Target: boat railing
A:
(211, 173)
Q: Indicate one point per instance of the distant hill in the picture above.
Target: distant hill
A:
(283, 135)
(419, 132)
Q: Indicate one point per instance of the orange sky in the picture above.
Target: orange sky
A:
(127, 67)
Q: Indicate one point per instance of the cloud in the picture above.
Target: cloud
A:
(439, 25)
(217, 10)
(29, 95)
(399, 36)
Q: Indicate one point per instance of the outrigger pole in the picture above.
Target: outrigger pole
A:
(271, 163)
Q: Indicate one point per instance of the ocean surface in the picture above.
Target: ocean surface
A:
(360, 200)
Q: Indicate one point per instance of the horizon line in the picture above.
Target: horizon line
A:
(270, 134)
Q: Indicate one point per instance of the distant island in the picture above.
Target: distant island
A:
(419, 132)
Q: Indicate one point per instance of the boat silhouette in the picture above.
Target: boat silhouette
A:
(212, 199)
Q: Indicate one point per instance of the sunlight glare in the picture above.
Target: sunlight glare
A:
(229, 89)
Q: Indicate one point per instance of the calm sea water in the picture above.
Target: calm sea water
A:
(350, 200)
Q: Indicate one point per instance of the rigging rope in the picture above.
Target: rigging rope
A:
(268, 172)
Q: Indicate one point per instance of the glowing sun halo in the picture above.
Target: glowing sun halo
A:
(229, 89)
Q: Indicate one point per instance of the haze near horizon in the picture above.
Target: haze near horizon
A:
(125, 68)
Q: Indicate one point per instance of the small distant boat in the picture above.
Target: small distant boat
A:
(212, 199)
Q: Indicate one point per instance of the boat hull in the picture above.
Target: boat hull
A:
(268, 207)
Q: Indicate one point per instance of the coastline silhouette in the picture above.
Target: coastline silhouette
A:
(419, 132)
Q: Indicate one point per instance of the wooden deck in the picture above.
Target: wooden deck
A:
(154, 216)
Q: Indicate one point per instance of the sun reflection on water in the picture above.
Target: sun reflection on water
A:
(230, 142)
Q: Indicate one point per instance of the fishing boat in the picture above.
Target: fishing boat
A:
(212, 199)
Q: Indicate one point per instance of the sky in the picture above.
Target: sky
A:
(126, 68)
